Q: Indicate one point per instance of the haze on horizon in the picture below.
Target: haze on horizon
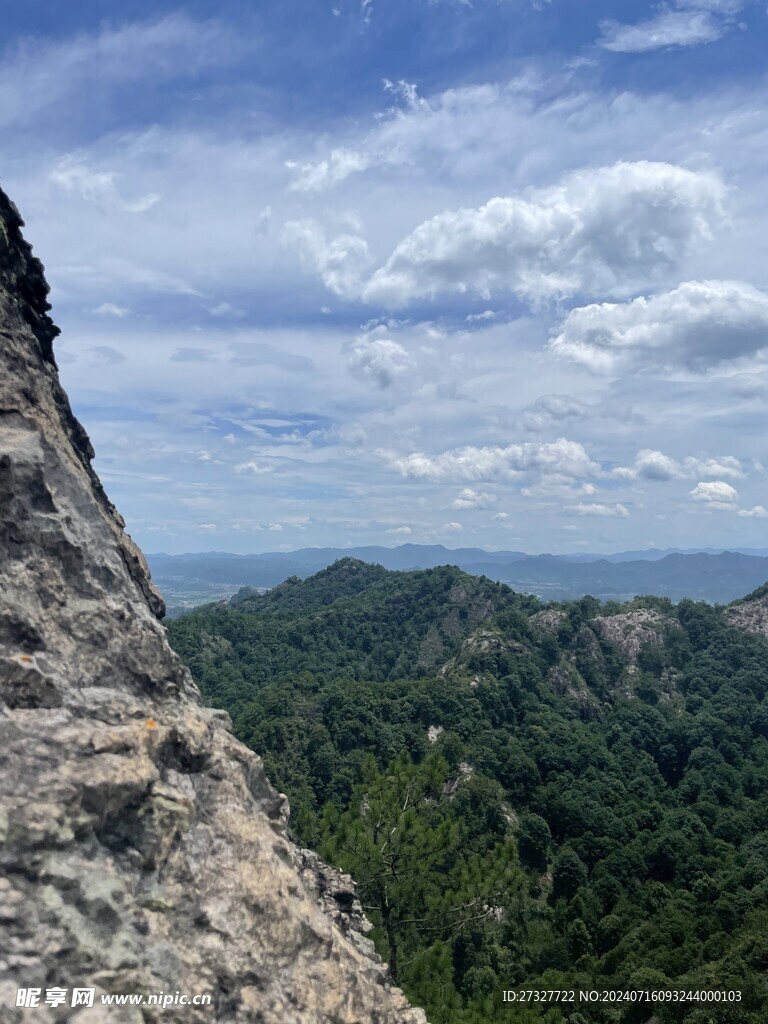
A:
(488, 275)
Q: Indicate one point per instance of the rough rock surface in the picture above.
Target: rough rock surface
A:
(142, 849)
(751, 616)
(548, 619)
(482, 644)
(630, 630)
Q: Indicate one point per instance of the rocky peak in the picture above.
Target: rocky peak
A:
(142, 848)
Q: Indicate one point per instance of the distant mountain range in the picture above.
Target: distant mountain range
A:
(710, 575)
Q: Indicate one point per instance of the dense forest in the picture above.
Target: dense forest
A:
(560, 797)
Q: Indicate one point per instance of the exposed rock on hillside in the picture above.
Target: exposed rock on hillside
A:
(548, 619)
(750, 615)
(483, 647)
(630, 630)
(142, 848)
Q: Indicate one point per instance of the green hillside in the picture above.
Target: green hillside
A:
(558, 797)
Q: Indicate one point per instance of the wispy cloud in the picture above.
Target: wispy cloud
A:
(668, 28)
(692, 23)
(73, 175)
(36, 74)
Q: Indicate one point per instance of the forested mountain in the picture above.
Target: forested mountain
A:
(716, 576)
(568, 796)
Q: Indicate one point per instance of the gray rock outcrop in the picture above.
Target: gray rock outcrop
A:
(751, 615)
(142, 848)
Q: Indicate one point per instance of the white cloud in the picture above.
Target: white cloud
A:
(715, 494)
(652, 465)
(655, 465)
(112, 309)
(73, 175)
(550, 411)
(697, 325)
(668, 28)
(560, 459)
(407, 92)
(341, 262)
(597, 510)
(757, 512)
(379, 359)
(256, 468)
(400, 531)
(719, 465)
(453, 527)
(468, 498)
(226, 311)
(338, 165)
(598, 231)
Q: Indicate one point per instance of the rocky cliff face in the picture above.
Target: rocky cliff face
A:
(142, 849)
(751, 615)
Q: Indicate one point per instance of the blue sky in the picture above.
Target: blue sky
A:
(488, 273)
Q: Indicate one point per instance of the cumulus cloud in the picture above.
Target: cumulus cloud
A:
(598, 231)
(400, 531)
(468, 498)
(651, 464)
(715, 494)
(597, 510)
(667, 28)
(552, 410)
(719, 465)
(560, 459)
(256, 468)
(341, 263)
(757, 512)
(379, 359)
(453, 527)
(697, 326)
(73, 175)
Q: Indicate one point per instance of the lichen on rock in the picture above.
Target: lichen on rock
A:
(142, 848)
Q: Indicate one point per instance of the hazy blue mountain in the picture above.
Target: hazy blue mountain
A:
(714, 576)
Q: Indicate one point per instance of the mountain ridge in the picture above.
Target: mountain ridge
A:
(715, 577)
